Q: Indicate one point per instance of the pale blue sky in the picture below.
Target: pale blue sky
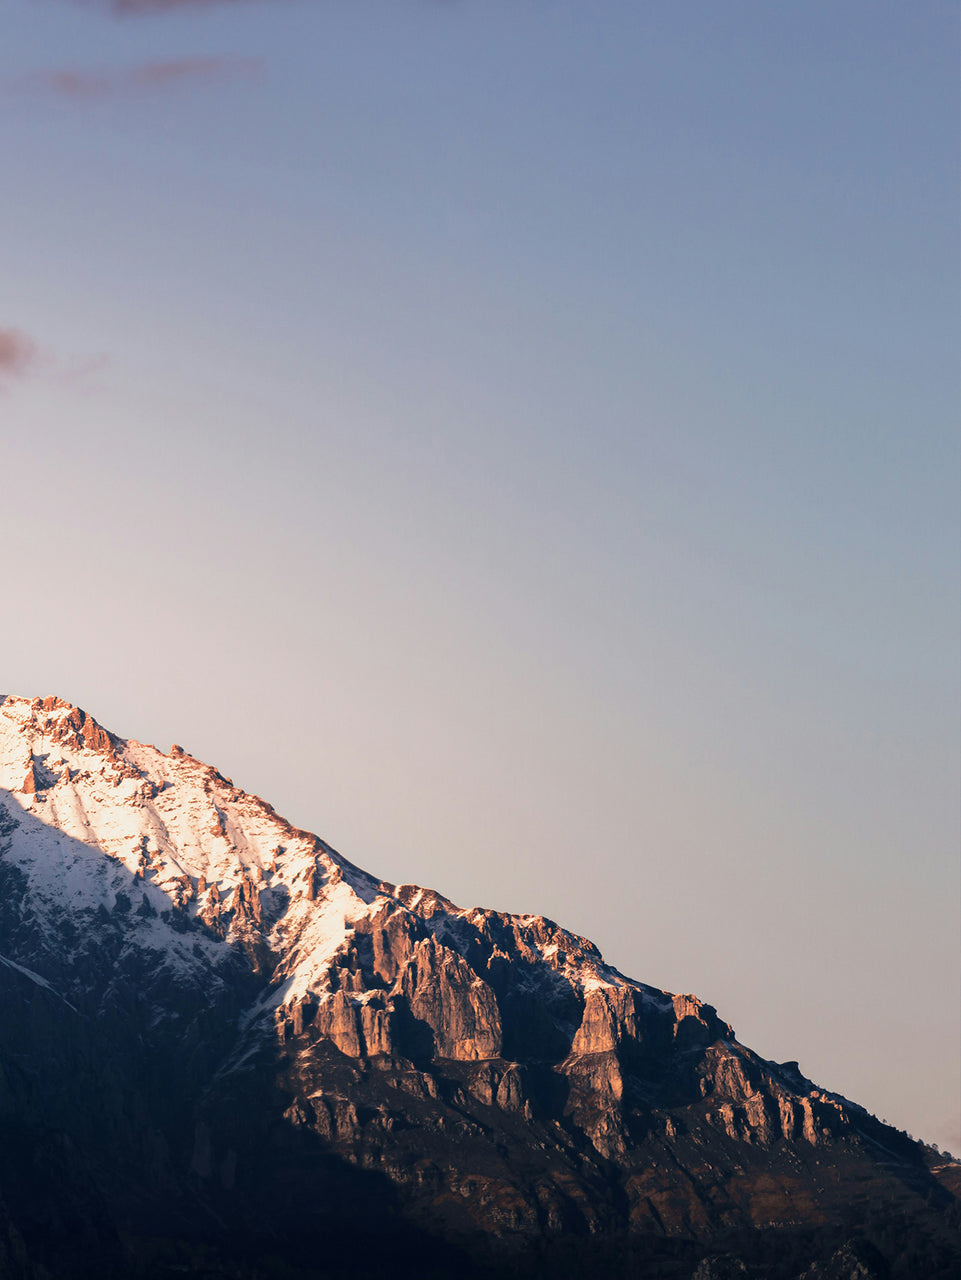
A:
(521, 441)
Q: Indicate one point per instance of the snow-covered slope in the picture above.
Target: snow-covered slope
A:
(197, 871)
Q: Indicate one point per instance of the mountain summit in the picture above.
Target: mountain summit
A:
(227, 1051)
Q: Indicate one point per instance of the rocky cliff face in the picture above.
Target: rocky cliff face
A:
(210, 1010)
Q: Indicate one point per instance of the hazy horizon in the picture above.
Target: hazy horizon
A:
(522, 445)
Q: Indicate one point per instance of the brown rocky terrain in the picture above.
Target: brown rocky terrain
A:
(226, 1051)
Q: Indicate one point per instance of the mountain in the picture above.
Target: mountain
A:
(227, 1051)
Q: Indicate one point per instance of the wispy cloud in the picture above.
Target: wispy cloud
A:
(79, 83)
(18, 353)
(158, 6)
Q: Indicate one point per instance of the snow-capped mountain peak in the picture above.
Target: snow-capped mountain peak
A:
(207, 1007)
(203, 870)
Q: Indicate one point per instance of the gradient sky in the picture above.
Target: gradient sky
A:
(520, 440)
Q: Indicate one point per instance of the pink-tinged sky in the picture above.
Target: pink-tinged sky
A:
(521, 441)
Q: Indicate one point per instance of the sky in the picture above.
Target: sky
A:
(520, 441)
